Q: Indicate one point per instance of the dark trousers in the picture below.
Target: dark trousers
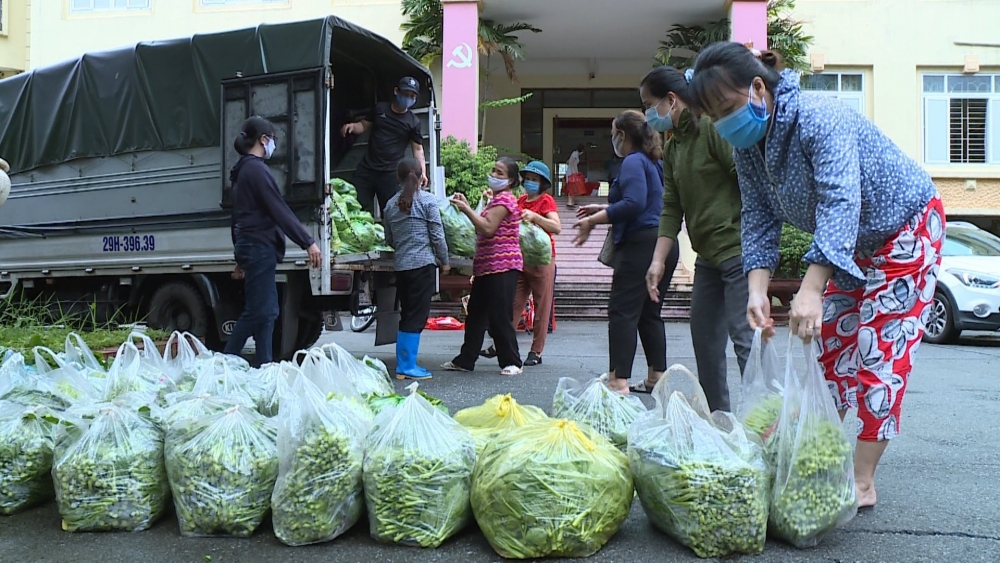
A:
(491, 305)
(260, 294)
(371, 184)
(719, 310)
(414, 289)
(630, 309)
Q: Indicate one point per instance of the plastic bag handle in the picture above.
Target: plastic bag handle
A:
(197, 347)
(168, 348)
(41, 365)
(78, 348)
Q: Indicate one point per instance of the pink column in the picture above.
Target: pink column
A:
(460, 71)
(749, 21)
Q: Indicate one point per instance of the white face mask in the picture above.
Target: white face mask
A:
(619, 147)
(268, 148)
(497, 184)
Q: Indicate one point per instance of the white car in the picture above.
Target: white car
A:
(968, 287)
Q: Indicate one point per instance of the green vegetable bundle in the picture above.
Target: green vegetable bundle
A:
(318, 495)
(32, 389)
(379, 403)
(108, 468)
(353, 230)
(27, 437)
(704, 485)
(536, 246)
(550, 488)
(593, 404)
(222, 470)
(366, 381)
(497, 415)
(814, 484)
(417, 470)
(459, 232)
(762, 395)
(273, 380)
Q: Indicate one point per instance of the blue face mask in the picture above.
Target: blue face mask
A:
(746, 126)
(658, 122)
(405, 102)
(531, 186)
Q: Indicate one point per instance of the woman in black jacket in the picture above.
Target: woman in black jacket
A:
(261, 220)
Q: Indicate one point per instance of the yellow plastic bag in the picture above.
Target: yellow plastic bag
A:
(550, 488)
(496, 415)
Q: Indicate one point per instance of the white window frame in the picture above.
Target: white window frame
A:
(849, 97)
(992, 147)
(228, 4)
(73, 6)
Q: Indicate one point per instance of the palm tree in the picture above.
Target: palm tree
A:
(785, 35)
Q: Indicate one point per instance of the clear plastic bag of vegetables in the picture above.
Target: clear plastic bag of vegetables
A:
(762, 392)
(333, 382)
(220, 379)
(701, 478)
(273, 380)
(814, 484)
(366, 381)
(81, 358)
(184, 406)
(593, 404)
(379, 403)
(222, 469)
(498, 414)
(318, 495)
(72, 383)
(536, 246)
(130, 373)
(186, 358)
(417, 470)
(550, 488)
(151, 364)
(27, 438)
(30, 388)
(459, 232)
(108, 469)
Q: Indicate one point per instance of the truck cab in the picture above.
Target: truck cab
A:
(119, 204)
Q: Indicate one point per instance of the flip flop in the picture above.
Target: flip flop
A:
(641, 387)
(450, 366)
(490, 352)
(511, 370)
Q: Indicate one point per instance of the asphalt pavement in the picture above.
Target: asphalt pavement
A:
(939, 482)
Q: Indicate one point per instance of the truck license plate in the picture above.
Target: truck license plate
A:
(129, 243)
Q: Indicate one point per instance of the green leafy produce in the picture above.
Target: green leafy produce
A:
(814, 483)
(222, 470)
(27, 437)
(365, 380)
(550, 488)
(593, 404)
(108, 468)
(318, 495)
(221, 379)
(273, 383)
(353, 230)
(536, 246)
(459, 232)
(334, 382)
(498, 414)
(379, 403)
(701, 479)
(135, 371)
(417, 469)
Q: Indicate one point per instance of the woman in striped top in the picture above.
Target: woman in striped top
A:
(496, 269)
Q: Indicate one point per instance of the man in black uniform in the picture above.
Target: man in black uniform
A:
(393, 125)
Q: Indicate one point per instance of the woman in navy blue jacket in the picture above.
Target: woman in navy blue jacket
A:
(633, 211)
(878, 225)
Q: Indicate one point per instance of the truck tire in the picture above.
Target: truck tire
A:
(309, 332)
(179, 306)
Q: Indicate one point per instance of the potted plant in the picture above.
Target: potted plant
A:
(787, 278)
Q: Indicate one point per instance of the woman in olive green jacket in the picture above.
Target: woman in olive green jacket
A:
(700, 190)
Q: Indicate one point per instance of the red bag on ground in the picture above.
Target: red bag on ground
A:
(444, 323)
(527, 322)
(576, 184)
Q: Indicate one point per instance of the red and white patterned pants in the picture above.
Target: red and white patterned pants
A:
(871, 334)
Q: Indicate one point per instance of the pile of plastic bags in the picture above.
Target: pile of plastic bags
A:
(496, 416)
(352, 229)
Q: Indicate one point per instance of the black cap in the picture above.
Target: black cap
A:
(409, 84)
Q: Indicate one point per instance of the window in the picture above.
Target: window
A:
(221, 3)
(847, 87)
(970, 242)
(89, 6)
(961, 118)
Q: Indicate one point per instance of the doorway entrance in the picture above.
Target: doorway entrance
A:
(597, 157)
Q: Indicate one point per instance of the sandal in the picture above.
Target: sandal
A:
(490, 352)
(533, 359)
(641, 387)
(450, 366)
(511, 370)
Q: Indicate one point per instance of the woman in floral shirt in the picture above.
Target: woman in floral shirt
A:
(496, 269)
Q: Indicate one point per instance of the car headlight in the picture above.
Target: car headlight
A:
(976, 279)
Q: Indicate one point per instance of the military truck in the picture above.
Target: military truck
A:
(119, 168)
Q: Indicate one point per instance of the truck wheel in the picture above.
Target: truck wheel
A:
(309, 332)
(179, 306)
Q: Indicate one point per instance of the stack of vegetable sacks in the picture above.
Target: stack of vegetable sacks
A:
(536, 246)
(550, 488)
(700, 479)
(417, 470)
(814, 484)
(496, 416)
(352, 229)
(609, 413)
(459, 232)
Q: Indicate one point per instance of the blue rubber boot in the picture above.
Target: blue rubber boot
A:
(407, 344)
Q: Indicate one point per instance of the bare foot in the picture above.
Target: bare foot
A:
(866, 495)
(618, 385)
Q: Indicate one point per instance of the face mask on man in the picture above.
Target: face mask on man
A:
(497, 184)
(746, 126)
(405, 102)
(268, 148)
(532, 187)
(661, 123)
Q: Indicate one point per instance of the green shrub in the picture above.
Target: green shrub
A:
(794, 245)
(464, 171)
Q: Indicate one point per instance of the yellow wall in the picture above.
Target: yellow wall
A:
(57, 35)
(14, 37)
(897, 40)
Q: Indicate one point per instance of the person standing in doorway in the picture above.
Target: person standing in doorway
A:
(414, 230)
(393, 127)
(573, 176)
(701, 189)
(261, 219)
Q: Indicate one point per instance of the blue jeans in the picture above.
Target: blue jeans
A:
(259, 263)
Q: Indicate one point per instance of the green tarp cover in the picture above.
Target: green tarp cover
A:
(163, 95)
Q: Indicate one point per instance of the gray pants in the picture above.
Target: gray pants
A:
(718, 310)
